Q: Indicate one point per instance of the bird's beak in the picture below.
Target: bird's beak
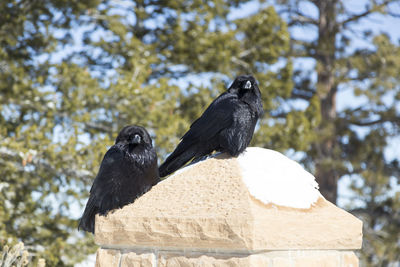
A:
(247, 85)
(136, 139)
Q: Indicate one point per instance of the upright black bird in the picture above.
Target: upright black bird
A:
(227, 125)
(128, 170)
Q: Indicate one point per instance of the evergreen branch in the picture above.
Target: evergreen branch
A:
(7, 153)
(299, 53)
(300, 48)
(18, 158)
(79, 174)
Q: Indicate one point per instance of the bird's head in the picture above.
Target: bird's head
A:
(134, 136)
(244, 84)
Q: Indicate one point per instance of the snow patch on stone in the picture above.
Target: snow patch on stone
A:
(272, 177)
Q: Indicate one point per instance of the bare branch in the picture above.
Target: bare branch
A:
(240, 62)
(301, 21)
(379, 121)
(395, 15)
(363, 14)
(299, 18)
(97, 127)
(367, 123)
(300, 95)
(247, 52)
(282, 115)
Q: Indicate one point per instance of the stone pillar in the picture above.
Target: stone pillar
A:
(260, 209)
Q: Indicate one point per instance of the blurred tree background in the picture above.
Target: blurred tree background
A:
(73, 73)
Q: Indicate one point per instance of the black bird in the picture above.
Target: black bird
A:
(227, 125)
(128, 170)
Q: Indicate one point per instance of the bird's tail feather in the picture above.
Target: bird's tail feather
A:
(87, 221)
(176, 160)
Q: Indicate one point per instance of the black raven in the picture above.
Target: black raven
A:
(128, 170)
(227, 125)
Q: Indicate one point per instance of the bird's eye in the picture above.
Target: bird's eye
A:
(247, 85)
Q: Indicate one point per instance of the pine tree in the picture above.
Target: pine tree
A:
(350, 142)
(58, 116)
(158, 64)
(37, 171)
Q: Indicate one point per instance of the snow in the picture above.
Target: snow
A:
(272, 177)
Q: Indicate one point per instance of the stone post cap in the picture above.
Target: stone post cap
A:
(259, 201)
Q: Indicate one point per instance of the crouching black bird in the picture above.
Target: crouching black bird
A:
(227, 125)
(128, 170)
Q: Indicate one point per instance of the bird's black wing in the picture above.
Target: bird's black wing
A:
(216, 117)
(102, 197)
(112, 169)
(200, 138)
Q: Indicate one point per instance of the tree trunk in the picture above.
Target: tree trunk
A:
(326, 89)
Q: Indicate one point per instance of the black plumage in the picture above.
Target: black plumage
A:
(128, 170)
(227, 125)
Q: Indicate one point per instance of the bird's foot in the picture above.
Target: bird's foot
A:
(196, 160)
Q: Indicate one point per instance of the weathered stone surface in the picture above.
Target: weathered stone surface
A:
(281, 262)
(133, 259)
(107, 258)
(322, 260)
(207, 206)
(349, 259)
(296, 258)
(193, 260)
(187, 210)
(324, 226)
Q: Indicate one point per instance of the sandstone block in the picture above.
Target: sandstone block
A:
(321, 260)
(107, 258)
(208, 205)
(349, 259)
(194, 260)
(133, 259)
(281, 262)
(259, 209)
